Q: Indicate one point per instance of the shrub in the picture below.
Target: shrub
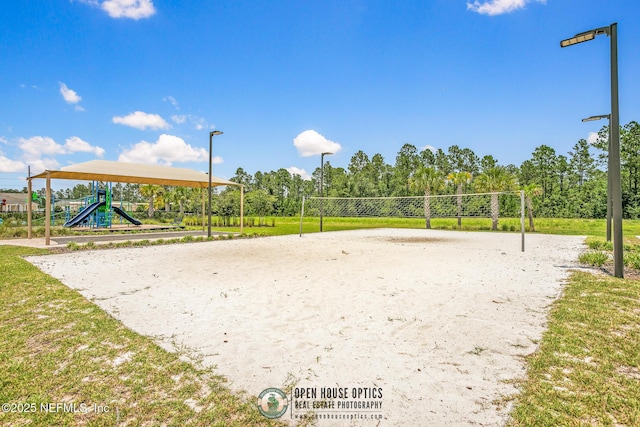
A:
(600, 245)
(192, 220)
(632, 260)
(595, 258)
(20, 232)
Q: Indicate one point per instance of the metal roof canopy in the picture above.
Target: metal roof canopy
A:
(110, 171)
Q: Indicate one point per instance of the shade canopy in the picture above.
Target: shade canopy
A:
(109, 171)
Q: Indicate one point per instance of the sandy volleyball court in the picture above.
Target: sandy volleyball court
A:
(427, 326)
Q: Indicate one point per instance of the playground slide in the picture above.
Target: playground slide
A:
(84, 214)
(125, 215)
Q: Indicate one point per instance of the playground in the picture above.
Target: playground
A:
(439, 321)
(99, 210)
(96, 211)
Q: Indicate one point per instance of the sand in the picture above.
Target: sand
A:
(433, 325)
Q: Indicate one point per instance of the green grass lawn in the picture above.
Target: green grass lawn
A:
(57, 347)
(291, 225)
(587, 368)
(566, 226)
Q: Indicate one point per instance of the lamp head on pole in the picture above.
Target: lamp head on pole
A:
(614, 178)
(600, 117)
(585, 37)
(215, 132)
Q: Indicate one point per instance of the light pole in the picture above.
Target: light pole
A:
(614, 139)
(590, 119)
(322, 184)
(215, 132)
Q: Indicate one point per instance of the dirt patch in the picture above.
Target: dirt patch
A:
(629, 273)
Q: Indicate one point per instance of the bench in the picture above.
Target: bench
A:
(177, 222)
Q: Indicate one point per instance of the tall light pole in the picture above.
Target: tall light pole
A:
(614, 139)
(590, 119)
(215, 132)
(322, 184)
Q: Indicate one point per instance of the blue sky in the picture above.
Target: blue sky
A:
(146, 81)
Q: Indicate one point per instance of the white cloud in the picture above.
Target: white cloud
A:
(498, 7)
(430, 148)
(165, 151)
(35, 147)
(77, 145)
(179, 119)
(134, 9)
(69, 95)
(297, 171)
(89, 2)
(198, 123)
(311, 143)
(11, 166)
(173, 101)
(3, 140)
(34, 153)
(141, 120)
(39, 151)
(592, 138)
(41, 165)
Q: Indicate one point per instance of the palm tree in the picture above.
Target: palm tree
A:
(495, 180)
(154, 193)
(459, 179)
(429, 180)
(530, 191)
(179, 196)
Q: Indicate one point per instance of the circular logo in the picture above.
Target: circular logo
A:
(273, 403)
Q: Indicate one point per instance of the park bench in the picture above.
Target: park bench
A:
(177, 222)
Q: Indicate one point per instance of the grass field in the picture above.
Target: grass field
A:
(291, 225)
(587, 368)
(58, 347)
(566, 226)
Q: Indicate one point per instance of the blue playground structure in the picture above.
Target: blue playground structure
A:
(97, 211)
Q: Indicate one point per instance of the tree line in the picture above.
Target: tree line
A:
(571, 185)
